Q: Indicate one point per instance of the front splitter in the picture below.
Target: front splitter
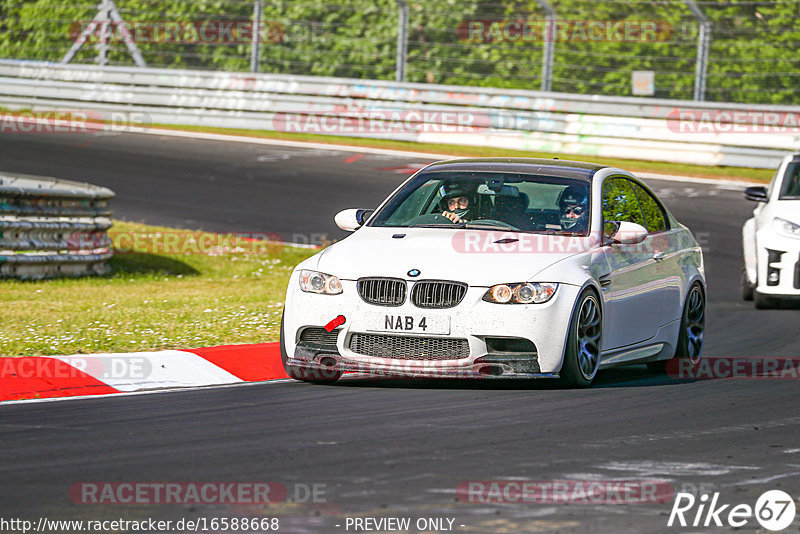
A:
(407, 369)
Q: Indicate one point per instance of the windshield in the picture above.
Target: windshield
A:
(790, 190)
(511, 201)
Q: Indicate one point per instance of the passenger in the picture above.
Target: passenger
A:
(573, 208)
(513, 210)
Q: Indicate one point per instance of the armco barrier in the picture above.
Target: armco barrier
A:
(624, 127)
(51, 227)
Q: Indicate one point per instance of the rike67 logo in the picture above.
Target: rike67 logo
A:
(774, 511)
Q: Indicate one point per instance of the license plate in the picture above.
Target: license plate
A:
(413, 324)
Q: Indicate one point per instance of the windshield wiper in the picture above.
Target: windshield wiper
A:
(438, 225)
(478, 226)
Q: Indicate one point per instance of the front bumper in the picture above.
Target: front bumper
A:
(473, 320)
(778, 258)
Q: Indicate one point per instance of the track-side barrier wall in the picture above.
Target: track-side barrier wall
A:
(51, 227)
(616, 127)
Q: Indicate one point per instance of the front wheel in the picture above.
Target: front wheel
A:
(582, 353)
(748, 290)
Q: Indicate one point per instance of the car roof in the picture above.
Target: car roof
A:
(541, 166)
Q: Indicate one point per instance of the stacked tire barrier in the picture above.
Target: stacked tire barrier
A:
(51, 227)
(612, 127)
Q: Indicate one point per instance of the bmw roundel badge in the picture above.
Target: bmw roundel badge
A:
(414, 272)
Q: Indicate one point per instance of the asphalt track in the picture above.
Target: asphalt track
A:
(397, 448)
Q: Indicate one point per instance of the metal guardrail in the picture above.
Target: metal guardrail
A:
(623, 127)
(51, 227)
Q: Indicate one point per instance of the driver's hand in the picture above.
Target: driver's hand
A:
(452, 216)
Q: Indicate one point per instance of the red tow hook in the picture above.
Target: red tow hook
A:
(339, 321)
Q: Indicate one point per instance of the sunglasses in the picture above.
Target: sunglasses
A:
(577, 210)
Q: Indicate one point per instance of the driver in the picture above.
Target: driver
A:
(458, 205)
(573, 208)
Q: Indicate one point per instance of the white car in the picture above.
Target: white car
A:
(771, 239)
(548, 269)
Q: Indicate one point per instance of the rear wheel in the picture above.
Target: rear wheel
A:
(582, 354)
(316, 376)
(693, 326)
(692, 333)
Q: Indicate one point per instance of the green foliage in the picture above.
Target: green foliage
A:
(620, 203)
(752, 53)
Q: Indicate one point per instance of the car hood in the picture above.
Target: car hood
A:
(477, 257)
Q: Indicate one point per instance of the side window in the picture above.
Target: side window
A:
(620, 204)
(651, 209)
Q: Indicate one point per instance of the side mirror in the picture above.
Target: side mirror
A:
(628, 233)
(756, 194)
(352, 219)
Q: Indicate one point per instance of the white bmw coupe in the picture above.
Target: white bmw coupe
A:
(500, 268)
(771, 239)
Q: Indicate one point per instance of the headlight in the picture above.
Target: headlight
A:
(324, 284)
(784, 227)
(521, 293)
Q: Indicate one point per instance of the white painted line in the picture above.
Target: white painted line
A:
(649, 468)
(732, 184)
(296, 144)
(147, 392)
(765, 480)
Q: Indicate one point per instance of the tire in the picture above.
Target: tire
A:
(763, 302)
(692, 333)
(748, 291)
(303, 374)
(584, 342)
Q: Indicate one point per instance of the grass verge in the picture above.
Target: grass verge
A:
(168, 289)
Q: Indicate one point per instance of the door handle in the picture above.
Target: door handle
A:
(660, 256)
